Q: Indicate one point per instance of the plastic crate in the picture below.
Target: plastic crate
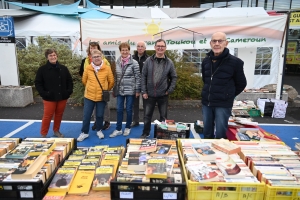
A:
(166, 134)
(282, 193)
(28, 190)
(254, 113)
(147, 191)
(221, 190)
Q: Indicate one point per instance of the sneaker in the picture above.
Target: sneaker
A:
(115, 133)
(58, 134)
(43, 136)
(134, 124)
(106, 125)
(94, 127)
(126, 131)
(145, 135)
(82, 136)
(100, 134)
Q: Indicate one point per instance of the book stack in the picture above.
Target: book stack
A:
(32, 160)
(158, 165)
(272, 162)
(214, 161)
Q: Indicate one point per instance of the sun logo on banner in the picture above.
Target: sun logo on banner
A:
(152, 28)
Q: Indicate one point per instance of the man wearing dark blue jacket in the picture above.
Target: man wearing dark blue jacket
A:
(158, 81)
(224, 79)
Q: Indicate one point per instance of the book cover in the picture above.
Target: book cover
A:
(82, 182)
(162, 150)
(44, 148)
(19, 152)
(226, 146)
(102, 178)
(202, 173)
(54, 196)
(230, 169)
(148, 145)
(203, 151)
(156, 168)
(137, 160)
(30, 167)
(62, 179)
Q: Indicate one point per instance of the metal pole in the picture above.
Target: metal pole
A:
(84, 3)
(161, 4)
(2, 1)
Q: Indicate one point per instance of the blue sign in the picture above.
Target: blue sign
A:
(7, 31)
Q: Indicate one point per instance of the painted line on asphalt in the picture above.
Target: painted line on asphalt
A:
(19, 129)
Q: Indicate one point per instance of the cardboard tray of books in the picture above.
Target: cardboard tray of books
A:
(29, 189)
(173, 135)
(139, 184)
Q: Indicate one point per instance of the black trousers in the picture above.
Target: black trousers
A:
(149, 106)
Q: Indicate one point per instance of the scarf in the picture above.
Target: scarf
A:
(97, 68)
(219, 57)
(124, 61)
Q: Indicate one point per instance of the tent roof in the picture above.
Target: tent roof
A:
(150, 13)
(16, 12)
(56, 25)
(94, 14)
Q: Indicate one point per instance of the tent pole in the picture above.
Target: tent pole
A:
(3, 5)
(84, 3)
(161, 4)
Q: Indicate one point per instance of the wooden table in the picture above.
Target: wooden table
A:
(93, 195)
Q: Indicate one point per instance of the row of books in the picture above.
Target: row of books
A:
(255, 134)
(214, 161)
(150, 161)
(273, 163)
(24, 163)
(85, 169)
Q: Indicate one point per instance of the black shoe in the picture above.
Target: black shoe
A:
(106, 125)
(94, 127)
(134, 124)
(145, 135)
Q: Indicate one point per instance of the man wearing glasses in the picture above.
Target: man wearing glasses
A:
(140, 56)
(224, 79)
(158, 81)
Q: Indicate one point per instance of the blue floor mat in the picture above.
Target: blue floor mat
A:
(288, 134)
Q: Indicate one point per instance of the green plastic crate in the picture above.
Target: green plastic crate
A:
(254, 113)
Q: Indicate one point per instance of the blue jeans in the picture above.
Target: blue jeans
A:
(149, 106)
(87, 113)
(120, 109)
(215, 116)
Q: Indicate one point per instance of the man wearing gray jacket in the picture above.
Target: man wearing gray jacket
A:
(158, 81)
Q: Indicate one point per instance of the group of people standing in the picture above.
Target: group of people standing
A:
(151, 77)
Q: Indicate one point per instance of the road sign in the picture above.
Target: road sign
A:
(7, 31)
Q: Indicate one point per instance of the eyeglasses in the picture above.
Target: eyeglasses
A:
(93, 43)
(96, 57)
(160, 46)
(215, 41)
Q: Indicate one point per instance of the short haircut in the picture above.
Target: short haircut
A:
(50, 51)
(95, 51)
(93, 44)
(144, 43)
(160, 40)
(124, 45)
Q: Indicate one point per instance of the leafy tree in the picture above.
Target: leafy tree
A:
(31, 58)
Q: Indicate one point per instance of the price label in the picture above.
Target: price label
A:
(26, 194)
(126, 195)
(169, 195)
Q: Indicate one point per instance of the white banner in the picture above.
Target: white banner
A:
(185, 33)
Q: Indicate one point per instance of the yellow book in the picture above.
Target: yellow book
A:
(113, 163)
(156, 168)
(62, 179)
(102, 178)
(82, 182)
